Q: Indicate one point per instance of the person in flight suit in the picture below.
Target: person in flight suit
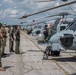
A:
(45, 31)
(49, 31)
(17, 40)
(11, 39)
(4, 33)
(1, 38)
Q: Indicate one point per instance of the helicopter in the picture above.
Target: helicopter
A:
(64, 40)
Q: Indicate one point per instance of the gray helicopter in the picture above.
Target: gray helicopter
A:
(64, 40)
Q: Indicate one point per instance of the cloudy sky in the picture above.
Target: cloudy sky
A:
(11, 10)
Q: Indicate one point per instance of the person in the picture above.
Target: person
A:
(4, 33)
(11, 39)
(49, 32)
(1, 38)
(17, 40)
(47, 52)
(45, 31)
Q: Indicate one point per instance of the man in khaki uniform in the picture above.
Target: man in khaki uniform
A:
(1, 38)
(4, 33)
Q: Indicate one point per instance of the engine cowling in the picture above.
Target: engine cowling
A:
(67, 40)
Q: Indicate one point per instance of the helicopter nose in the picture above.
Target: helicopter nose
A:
(67, 40)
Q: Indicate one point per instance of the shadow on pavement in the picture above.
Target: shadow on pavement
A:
(22, 52)
(35, 50)
(73, 74)
(65, 59)
(6, 67)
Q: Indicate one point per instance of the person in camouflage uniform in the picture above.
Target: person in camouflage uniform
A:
(17, 40)
(4, 33)
(1, 38)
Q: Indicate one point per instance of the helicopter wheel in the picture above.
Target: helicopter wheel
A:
(38, 42)
(55, 53)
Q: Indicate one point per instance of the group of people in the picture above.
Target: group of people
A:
(48, 32)
(14, 35)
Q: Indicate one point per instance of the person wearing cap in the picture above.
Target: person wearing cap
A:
(1, 38)
(4, 33)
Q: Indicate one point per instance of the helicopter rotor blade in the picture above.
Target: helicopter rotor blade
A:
(44, 1)
(39, 22)
(60, 14)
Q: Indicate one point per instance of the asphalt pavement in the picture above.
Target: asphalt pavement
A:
(30, 60)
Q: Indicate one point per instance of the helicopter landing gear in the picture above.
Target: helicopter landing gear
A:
(55, 53)
(49, 52)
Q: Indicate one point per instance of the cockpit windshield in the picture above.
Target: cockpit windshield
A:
(72, 25)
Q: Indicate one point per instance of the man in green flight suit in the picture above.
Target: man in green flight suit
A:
(4, 33)
(17, 40)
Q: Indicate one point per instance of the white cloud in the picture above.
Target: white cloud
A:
(14, 12)
(11, 11)
(57, 3)
(13, 16)
(9, 1)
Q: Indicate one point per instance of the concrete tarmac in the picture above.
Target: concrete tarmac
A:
(30, 60)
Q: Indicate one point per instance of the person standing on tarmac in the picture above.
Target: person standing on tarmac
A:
(17, 40)
(1, 38)
(4, 33)
(11, 39)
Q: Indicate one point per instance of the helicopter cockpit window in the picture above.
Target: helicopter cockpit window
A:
(73, 27)
(39, 27)
(62, 28)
